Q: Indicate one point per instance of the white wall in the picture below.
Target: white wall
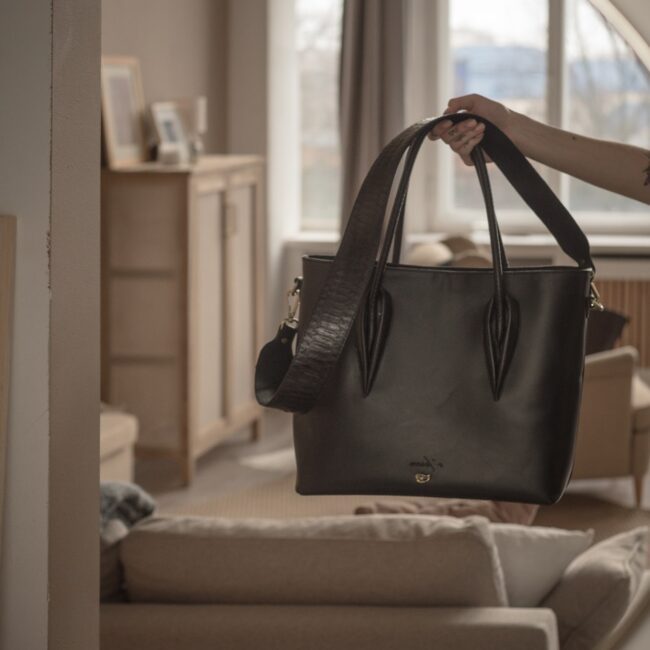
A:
(40, 43)
(25, 118)
(247, 96)
(73, 497)
(263, 117)
(181, 46)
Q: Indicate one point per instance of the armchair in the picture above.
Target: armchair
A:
(614, 432)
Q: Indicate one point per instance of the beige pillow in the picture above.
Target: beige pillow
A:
(373, 560)
(596, 589)
(533, 558)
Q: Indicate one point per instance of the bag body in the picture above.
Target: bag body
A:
(430, 425)
(435, 381)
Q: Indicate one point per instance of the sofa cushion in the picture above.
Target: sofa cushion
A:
(167, 626)
(597, 588)
(634, 627)
(373, 560)
(533, 558)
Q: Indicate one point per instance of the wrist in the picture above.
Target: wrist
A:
(515, 128)
(527, 134)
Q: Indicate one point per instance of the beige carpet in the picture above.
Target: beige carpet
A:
(275, 498)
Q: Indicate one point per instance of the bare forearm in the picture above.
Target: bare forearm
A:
(617, 167)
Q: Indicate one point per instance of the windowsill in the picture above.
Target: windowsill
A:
(541, 244)
(313, 236)
(600, 244)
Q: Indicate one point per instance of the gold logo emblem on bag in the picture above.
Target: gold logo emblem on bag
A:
(427, 463)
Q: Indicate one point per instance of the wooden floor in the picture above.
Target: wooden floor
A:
(218, 472)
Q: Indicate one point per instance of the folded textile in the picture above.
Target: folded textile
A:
(495, 511)
(121, 506)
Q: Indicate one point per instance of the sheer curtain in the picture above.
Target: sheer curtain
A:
(371, 87)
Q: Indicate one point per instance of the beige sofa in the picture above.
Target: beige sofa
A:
(277, 627)
(345, 583)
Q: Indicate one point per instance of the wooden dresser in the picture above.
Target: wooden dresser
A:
(183, 258)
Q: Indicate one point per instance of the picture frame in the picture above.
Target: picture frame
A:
(123, 112)
(171, 133)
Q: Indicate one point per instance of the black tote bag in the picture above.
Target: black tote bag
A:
(447, 382)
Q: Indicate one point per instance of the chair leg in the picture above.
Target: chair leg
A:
(638, 490)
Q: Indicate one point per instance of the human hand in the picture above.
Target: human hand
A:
(463, 137)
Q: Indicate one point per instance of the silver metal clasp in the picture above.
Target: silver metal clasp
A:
(594, 298)
(293, 303)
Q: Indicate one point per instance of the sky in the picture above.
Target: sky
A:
(527, 22)
(520, 22)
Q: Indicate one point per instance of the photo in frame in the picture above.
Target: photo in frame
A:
(171, 132)
(123, 112)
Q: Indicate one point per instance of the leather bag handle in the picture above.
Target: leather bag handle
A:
(484, 182)
(293, 382)
(394, 227)
(500, 324)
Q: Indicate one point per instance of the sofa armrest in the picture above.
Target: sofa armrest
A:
(633, 630)
(619, 362)
(141, 626)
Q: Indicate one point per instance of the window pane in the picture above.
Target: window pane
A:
(318, 42)
(499, 50)
(609, 98)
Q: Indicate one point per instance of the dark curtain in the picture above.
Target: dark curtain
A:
(371, 87)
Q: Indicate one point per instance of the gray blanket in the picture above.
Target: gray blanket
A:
(121, 506)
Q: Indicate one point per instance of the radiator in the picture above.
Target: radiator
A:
(632, 298)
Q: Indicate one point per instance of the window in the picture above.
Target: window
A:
(608, 98)
(559, 61)
(501, 59)
(318, 43)
(597, 86)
